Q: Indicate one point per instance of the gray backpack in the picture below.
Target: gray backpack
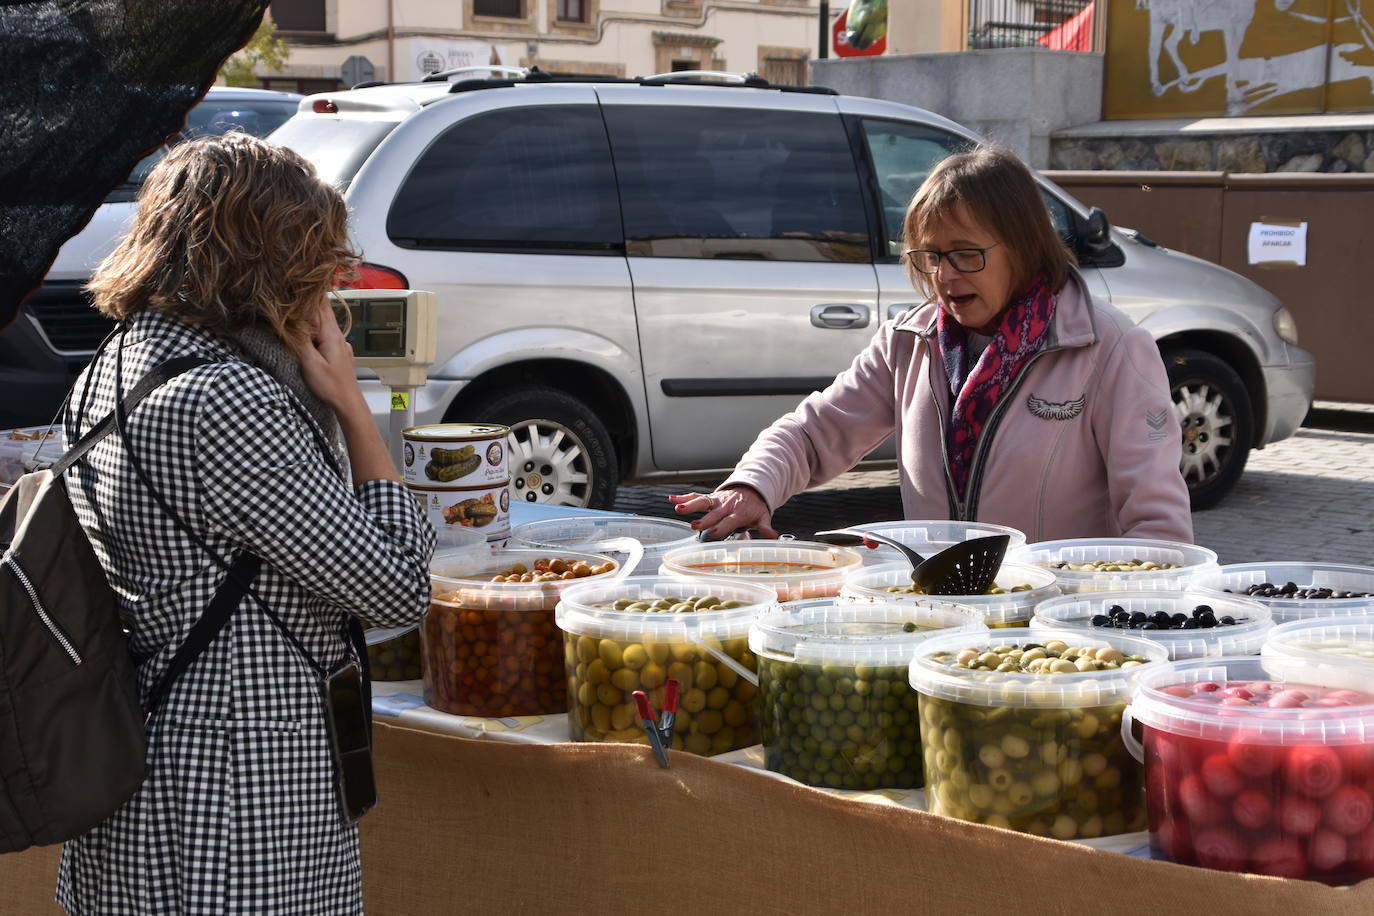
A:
(72, 738)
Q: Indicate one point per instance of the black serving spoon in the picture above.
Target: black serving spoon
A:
(966, 568)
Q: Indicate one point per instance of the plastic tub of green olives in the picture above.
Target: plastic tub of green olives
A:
(1020, 587)
(634, 634)
(1118, 564)
(837, 708)
(1038, 753)
(1246, 636)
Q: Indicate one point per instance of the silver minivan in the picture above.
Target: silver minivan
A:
(640, 275)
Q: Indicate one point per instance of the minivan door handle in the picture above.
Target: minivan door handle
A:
(897, 308)
(839, 315)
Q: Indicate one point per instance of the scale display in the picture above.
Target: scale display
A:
(379, 328)
(392, 332)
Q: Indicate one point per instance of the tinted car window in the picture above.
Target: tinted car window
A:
(337, 147)
(903, 155)
(737, 183)
(521, 179)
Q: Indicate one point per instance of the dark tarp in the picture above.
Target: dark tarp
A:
(87, 87)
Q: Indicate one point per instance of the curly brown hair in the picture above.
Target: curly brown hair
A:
(230, 231)
(1000, 194)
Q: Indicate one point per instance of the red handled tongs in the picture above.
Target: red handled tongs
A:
(659, 730)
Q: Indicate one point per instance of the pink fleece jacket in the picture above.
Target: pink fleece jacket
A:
(1084, 443)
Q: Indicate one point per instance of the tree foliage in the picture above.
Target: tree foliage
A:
(263, 51)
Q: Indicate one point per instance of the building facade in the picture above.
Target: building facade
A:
(335, 43)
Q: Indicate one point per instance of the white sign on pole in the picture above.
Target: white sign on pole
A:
(1284, 242)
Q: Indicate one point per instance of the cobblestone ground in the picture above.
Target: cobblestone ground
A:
(1308, 498)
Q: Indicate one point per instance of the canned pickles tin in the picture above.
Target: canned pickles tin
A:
(455, 455)
(485, 509)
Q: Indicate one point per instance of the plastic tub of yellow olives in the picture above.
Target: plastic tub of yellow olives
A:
(637, 633)
(837, 710)
(794, 569)
(929, 536)
(1017, 589)
(1036, 752)
(1118, 564)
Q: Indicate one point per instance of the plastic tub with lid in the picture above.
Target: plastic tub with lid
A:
(1259, 764)
(588, 532)
(1236, 578)
(1322, 637)
(1011, 608)
(794, 569)
(837, 708)
(637, 633)
(1189, 561)
(1245, 637)
(930, 536)
(1039, 753)
(491, 648)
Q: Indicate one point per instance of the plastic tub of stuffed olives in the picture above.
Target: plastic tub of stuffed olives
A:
(636, 633)
(1038, 753)
(1018, 588)
(794, 569)
(1118, 564)
(837, 709)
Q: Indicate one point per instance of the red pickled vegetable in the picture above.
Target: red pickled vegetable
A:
(1197, 803)
(1173, 840)
(1358, 759)
(1252, 809)
(1313, 770)
(1326, 850)
(1221, 777)
(1218, 847)
(1348, 810)
(1280, 856)
(1362, 851)
(1298, 816)
(1251, 758)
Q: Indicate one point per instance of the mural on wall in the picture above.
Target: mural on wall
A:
(1197, 58)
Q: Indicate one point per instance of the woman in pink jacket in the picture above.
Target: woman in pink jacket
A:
(1015, 396)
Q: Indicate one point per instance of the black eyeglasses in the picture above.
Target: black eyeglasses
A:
(964, 260)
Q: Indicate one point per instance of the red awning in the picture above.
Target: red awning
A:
(1075, 34)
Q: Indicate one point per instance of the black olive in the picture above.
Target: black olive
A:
(1228, 621)
(1101, 620)
(1207, 621)
(1149, 625)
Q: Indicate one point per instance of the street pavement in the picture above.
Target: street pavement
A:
(1308, 498)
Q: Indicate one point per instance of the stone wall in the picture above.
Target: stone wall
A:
(1279, 151)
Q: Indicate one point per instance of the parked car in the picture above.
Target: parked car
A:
(57, 330)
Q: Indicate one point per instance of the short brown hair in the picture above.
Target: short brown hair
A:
(999, 193)
(230, 231)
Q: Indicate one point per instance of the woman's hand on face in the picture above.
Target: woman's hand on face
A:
(726, 510)
(327, 362)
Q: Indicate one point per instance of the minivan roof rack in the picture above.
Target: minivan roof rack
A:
(720, 78)
(443, 75)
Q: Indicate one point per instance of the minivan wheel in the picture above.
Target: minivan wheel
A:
(1213, 409)
(559, 451)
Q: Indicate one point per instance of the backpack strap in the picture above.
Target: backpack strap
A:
(155, 378)
(203, 632)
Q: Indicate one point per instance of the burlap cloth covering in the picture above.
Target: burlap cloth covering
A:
(481, 826)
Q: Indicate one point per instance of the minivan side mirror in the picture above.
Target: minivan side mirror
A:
(1093, 240)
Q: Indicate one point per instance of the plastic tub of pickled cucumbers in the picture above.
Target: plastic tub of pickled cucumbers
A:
(837, 709)
(1011, 601)
(1023, 731)
(637, 633)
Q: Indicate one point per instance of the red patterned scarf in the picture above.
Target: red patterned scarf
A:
(1019, 336)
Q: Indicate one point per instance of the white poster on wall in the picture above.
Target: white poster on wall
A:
(417, 58)
(1278, 242)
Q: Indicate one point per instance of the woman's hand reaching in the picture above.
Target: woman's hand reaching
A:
(726, 510)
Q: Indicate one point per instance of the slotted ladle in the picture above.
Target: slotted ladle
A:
(966, 568)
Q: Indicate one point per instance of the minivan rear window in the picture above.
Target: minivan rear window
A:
(337, 147)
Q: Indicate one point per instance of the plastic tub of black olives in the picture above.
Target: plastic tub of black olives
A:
(637, 633)
(1190, 624)
(1297, 591)
(1320, 638)
(1118, 564)
(1018, 588)
(1036, 752)
(837, 708)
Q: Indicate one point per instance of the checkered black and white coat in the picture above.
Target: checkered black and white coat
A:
(238, 813)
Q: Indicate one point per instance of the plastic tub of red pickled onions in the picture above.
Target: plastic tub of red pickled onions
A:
(1259, 764)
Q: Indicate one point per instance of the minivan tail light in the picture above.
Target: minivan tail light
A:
(375, 276)
(324, 106)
